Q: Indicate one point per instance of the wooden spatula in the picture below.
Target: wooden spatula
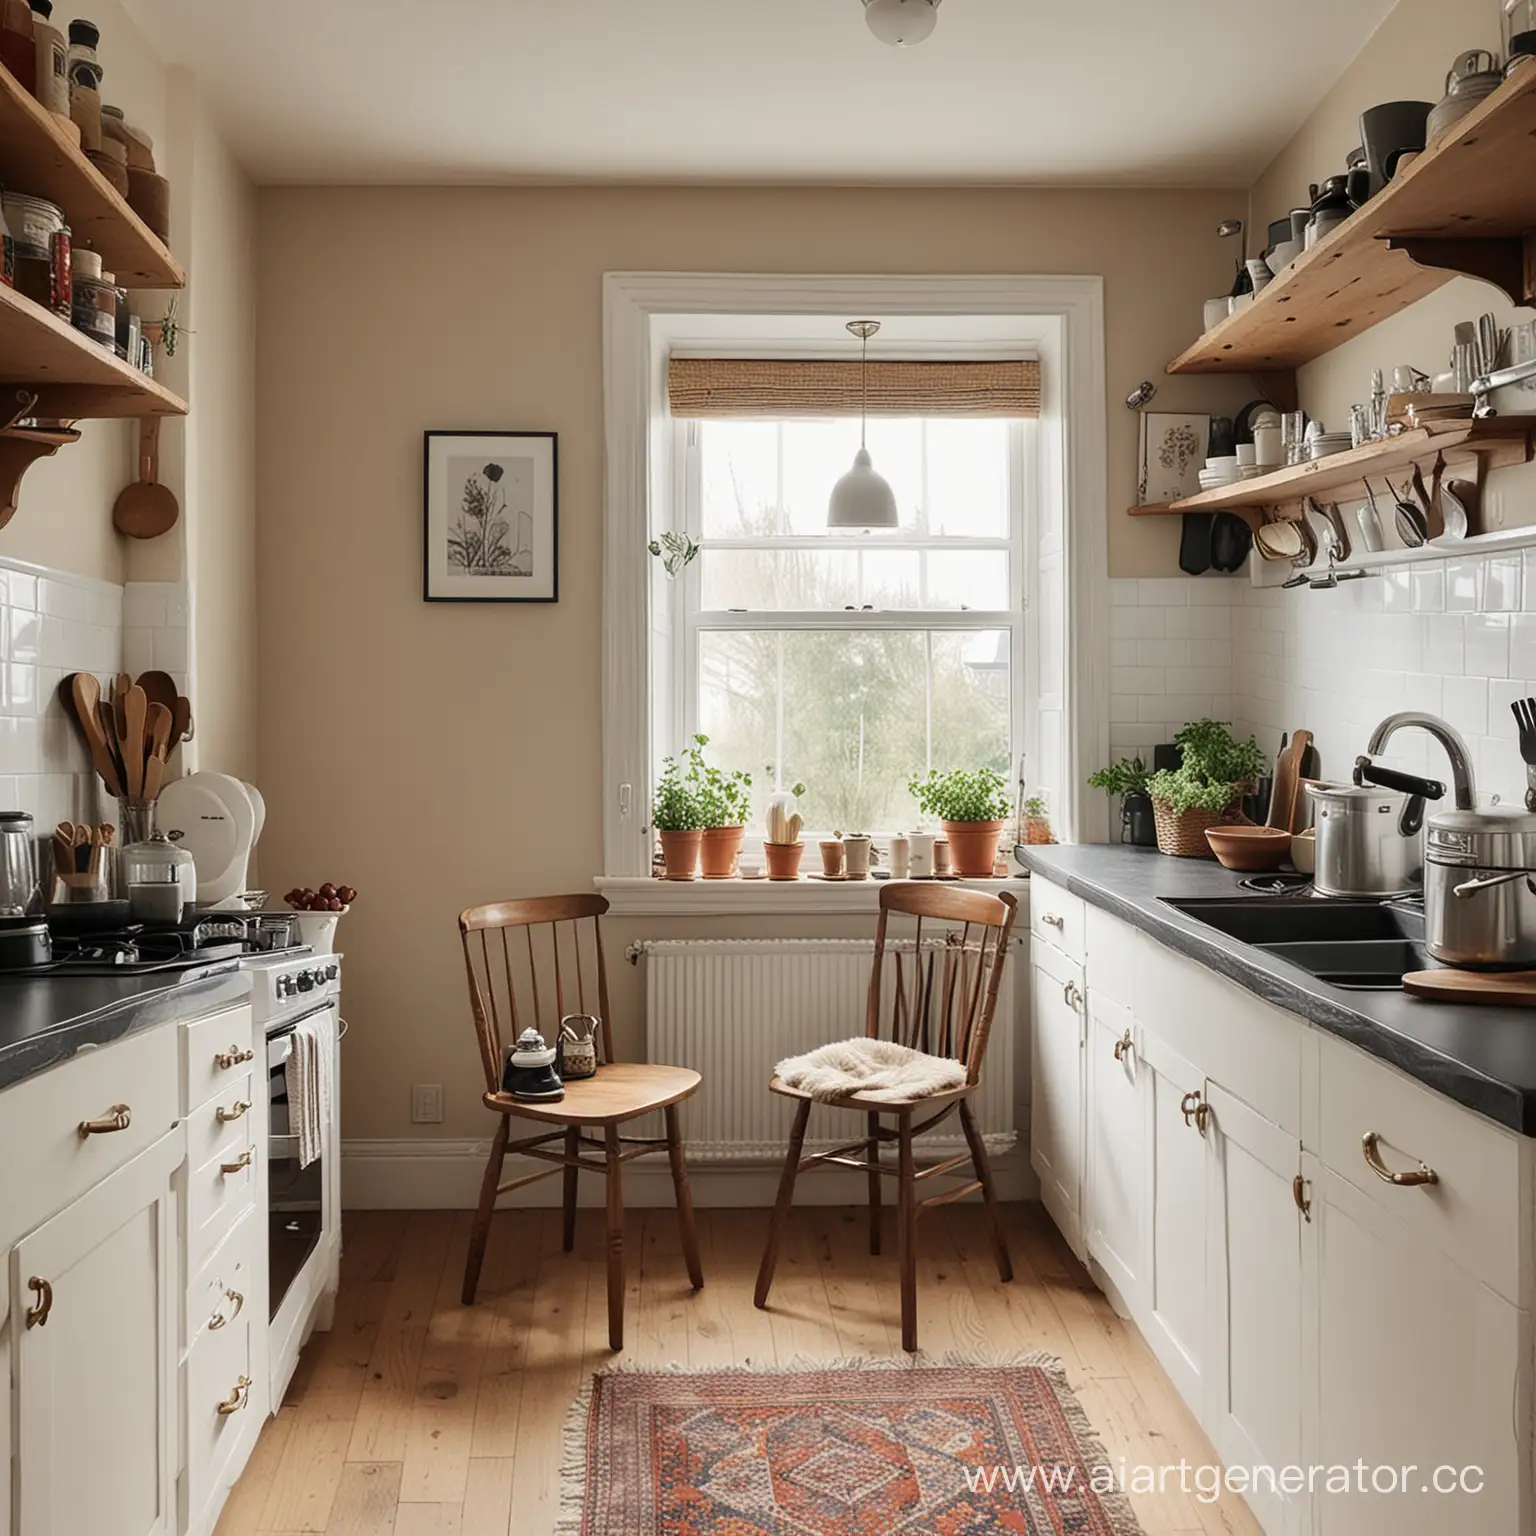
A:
(145, 509)
(157, 729)
(135, 710)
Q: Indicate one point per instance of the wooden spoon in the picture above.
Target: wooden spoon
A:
(145, 509)
(157, 727)
(181, 721)
(135, 709)
(85, 696)
(154, 777)
(159, 688)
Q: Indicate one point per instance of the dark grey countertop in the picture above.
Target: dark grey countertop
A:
(1482, 1057)
(45, 1019)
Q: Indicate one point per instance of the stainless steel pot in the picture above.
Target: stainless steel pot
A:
(1480, 888)
(1370, 840)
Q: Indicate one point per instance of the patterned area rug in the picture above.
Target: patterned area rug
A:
(860, 1448)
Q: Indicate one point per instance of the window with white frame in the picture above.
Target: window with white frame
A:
(847, 662)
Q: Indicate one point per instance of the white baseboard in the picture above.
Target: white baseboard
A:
(416, 1175)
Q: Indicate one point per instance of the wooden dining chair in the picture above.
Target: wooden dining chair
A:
(936, 992)
(528, 964)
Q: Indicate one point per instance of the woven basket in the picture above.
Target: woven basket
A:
(1182, 833)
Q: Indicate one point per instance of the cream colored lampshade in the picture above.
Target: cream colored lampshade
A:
(862, 499)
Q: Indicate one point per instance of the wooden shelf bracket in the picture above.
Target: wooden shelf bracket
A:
(20, 449)
(1506, 261)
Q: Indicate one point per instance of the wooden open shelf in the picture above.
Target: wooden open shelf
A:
(1466, 205)
(1494, 443)
(73, 377)
(38, 157)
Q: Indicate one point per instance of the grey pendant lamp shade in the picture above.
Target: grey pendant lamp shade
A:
(862, 499)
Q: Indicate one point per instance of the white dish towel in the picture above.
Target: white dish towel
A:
(307, 1076)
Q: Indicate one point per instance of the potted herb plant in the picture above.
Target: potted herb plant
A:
(1128, 780)
(1037, 822)
(972, 805)
(783, 848)
(1206, 789)
(725, 804)
(678, 817)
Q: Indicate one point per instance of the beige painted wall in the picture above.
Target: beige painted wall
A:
(434, 755)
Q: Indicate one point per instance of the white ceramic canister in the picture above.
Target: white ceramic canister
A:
(52, 60)
(900, 858)
(921, 855)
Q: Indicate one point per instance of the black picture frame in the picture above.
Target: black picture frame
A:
(490, 537)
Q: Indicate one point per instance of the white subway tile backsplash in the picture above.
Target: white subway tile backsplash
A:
(1428, 583)
(1501, 591)
(171, 650)
(1136, 623)
(1487, 645)
(1445, 644)
(1466, 704)
(1199, 623)
(1464, 586)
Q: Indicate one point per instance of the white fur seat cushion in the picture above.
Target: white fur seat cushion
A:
(879, 1070)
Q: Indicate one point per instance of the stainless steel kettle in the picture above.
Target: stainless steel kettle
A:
(1370, 835)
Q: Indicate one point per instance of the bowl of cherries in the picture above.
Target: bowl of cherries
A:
(319, 911)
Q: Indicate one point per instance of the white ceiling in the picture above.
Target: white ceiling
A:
(1109, 92)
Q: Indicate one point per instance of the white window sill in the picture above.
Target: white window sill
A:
(738, 898)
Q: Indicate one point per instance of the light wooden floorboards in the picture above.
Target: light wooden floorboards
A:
(417, 1416)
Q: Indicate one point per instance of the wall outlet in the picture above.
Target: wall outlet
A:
(427, 1104)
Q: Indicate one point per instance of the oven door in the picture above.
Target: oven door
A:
(299, 1199)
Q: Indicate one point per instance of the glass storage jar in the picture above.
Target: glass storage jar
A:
(158, 878)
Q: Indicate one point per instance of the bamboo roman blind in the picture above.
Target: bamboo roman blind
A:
(735, 387)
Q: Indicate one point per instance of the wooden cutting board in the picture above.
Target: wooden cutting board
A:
(1287, 805)
(1507, 989)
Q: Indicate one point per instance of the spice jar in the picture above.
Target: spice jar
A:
(95, 308)
(18, 47)
(52, 60)
(33, 223)
(85, 82)
(61, 273)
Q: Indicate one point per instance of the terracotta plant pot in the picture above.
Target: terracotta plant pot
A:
(718, 849)
(783, 860)
(973, 847)
(680, 854)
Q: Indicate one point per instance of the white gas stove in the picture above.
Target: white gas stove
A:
(290, 983)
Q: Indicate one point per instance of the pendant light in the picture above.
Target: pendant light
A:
(862, 499)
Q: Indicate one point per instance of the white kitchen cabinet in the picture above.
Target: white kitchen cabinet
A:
(1419, 1366)
(1114, 1202)
(1253, 1355)
(1173, 1292)
(94, 1296)
(1056, 1086)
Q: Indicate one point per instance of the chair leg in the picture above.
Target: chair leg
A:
(482, 1227)
(874, 1184)
(988, 1194)
(906, 1234)
(684, 1195)
(781, 1206)
(572, 1149)
(615, 1239)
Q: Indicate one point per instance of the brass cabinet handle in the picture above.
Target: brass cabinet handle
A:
(234, 1111)
(233, 1057)
(118, 1118)
(1124, 1044)
(219, 1319)
(1053, 920)
(236, 1399)
(1410, 1179)
(243, 1161)
(37, 1317)
(1301, 1197)
(1072, 996)
(1195, 1110)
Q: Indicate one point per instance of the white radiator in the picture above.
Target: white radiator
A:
(733, 1008)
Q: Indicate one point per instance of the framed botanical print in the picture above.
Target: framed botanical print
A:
(1173, 450)
(491, 517)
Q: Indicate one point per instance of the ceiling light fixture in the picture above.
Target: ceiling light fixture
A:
(901, 23)
(862, 499)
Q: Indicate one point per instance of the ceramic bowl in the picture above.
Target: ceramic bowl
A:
(1252, 850)
(1304, 852)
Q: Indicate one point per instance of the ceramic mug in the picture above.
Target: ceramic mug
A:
(1267, 451)
(921, 855)
(856, 848)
